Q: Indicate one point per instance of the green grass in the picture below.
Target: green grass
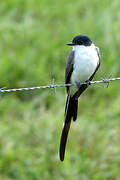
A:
(33, 35)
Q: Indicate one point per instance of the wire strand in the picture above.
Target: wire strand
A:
(54, 86)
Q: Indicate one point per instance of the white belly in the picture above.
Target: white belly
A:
(85, 62)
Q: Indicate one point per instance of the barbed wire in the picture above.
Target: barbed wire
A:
(54, 86)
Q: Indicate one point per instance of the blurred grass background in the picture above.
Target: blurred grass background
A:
(33, 35)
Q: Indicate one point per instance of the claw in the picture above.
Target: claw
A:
(88, 82)
(78, 84)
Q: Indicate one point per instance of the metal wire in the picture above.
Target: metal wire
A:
(54, 86)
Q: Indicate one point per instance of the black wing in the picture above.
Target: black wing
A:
(98, 53)
(69, 68)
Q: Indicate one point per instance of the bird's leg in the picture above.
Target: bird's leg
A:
(88, 82)
(78, 84)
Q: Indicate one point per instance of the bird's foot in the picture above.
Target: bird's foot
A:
(88, 82)
(78, 84)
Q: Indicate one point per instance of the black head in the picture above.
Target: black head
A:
(81, 40)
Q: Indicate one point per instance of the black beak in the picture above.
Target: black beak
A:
(70, 44)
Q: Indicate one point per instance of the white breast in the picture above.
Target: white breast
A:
(85, 62)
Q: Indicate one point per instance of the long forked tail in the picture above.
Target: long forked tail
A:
(63, 140)
(70, 112)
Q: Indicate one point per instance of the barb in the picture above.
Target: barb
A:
(54, 86)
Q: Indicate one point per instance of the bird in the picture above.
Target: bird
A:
(82, 64)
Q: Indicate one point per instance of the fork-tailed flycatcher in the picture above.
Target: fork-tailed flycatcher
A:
(83, 62)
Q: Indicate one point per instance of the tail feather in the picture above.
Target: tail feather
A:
(70, 111)
(63, 140)
(75, 109)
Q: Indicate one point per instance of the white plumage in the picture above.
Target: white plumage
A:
(85, 62)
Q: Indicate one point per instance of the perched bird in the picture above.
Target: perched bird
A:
(83, 62)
